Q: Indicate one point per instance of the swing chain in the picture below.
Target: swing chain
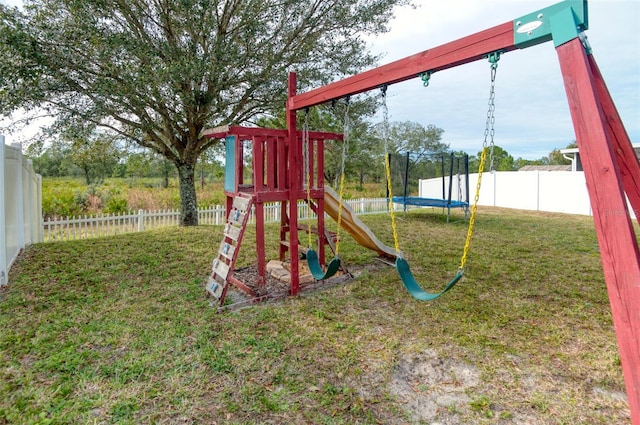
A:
(488, 135)
(307, 170)
(489, 132)
(347, 130)
(385, 119)
(305, 147)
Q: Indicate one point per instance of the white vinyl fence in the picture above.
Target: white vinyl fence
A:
(20, 206)
(553, 191)
(71, 228)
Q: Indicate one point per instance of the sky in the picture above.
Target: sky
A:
(532, 115)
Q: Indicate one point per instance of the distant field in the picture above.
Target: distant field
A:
(64, 197)
(117, 330)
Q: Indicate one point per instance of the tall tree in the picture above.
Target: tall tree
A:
(96, 158)
(408, 136)
(498, 160)
(158, 72)
(52, 161)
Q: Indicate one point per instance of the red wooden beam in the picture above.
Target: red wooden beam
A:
(260, 248)
(258, 164)
(626, 156)
(250, 132)
(455, 53)
(618, 244)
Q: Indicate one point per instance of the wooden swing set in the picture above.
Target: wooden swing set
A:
(610, 164)
(611, 168)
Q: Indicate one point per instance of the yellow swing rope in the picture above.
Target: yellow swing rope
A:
(308, 170)
(345, 149)
(474, 208)
(489, 133)
(387, 165)
(394, 226)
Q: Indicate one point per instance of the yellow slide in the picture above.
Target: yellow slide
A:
(353, 225)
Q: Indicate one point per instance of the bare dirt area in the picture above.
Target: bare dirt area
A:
(277, 282)
(433, 389)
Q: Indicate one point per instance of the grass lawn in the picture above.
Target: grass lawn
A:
(117, 330)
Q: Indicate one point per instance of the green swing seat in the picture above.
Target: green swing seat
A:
(410, 283)
(316, 269)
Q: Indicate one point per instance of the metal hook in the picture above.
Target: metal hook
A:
(425, 76)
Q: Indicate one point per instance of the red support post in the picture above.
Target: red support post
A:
(282, 164)
(284, 222)
(258, 164)
(294, 187)
(272, 164)
(616, 237)
(239, 163)
(626, 156)
(262, 269)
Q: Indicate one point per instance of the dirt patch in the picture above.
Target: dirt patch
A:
(274, 288)
(433, 389)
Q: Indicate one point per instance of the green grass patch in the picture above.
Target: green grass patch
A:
(117, 330)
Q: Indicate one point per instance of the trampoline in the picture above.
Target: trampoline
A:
(422, 178)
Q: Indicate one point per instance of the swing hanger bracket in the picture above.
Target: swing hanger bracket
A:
(493, 58)
(425, 76)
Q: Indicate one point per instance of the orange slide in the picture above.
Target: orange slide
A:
(353, 225)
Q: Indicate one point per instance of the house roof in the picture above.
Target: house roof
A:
(546, 168)
(636, 147)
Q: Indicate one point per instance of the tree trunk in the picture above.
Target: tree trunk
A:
(87, 176)
(188, 201)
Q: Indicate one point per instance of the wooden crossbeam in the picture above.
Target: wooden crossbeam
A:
(449, 55)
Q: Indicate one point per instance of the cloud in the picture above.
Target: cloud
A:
(532, 114)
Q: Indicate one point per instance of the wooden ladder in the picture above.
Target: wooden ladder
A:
(222, 266)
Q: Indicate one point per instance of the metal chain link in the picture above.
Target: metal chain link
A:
(489, 133)
(307, 170)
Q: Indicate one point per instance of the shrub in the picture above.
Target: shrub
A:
(116, 206)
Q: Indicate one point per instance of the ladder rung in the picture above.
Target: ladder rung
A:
(215, 288)
(237, 217)
(226, 250)
(241, 203)
(220, 268)
(232, 232)
(300, 247)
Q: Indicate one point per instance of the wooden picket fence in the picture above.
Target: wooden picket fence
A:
(84, 227)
